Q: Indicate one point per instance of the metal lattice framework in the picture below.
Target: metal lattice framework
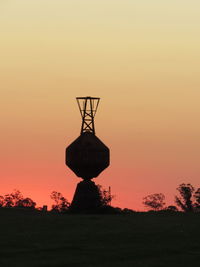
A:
(88, 108)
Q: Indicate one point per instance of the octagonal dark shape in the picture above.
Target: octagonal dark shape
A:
(87, 156)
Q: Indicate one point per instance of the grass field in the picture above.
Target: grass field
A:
(141, 239)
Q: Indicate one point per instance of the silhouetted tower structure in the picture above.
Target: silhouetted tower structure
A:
(88, 108)
(87, 157)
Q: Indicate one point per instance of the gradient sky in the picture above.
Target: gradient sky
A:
(141, 57)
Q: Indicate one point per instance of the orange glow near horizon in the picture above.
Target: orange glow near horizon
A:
(141, 57)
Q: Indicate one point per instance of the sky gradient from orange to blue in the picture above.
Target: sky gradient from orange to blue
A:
(141, 57)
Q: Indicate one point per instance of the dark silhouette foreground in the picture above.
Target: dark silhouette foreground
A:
(141, 239)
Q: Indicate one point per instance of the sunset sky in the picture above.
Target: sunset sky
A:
(141, 57)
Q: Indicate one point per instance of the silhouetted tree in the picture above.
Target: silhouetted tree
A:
(185, 200)
(10, 200)
(105, 196)
(26, 203)
(189, 199)
(197, 199)
(16, 199)
(61, 203)
(1, 201)
(155, 201)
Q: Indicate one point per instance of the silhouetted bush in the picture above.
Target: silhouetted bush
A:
(26, 203)
(61, 203)
(171, 208)
(128, 211)
(16, 200)
(105, 196)
(155, 201)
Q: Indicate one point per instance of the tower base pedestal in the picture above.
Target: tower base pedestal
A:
(86, 198)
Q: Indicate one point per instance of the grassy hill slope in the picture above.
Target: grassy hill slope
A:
(141, 239)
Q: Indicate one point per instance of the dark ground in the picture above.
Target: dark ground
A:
(141, 239)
